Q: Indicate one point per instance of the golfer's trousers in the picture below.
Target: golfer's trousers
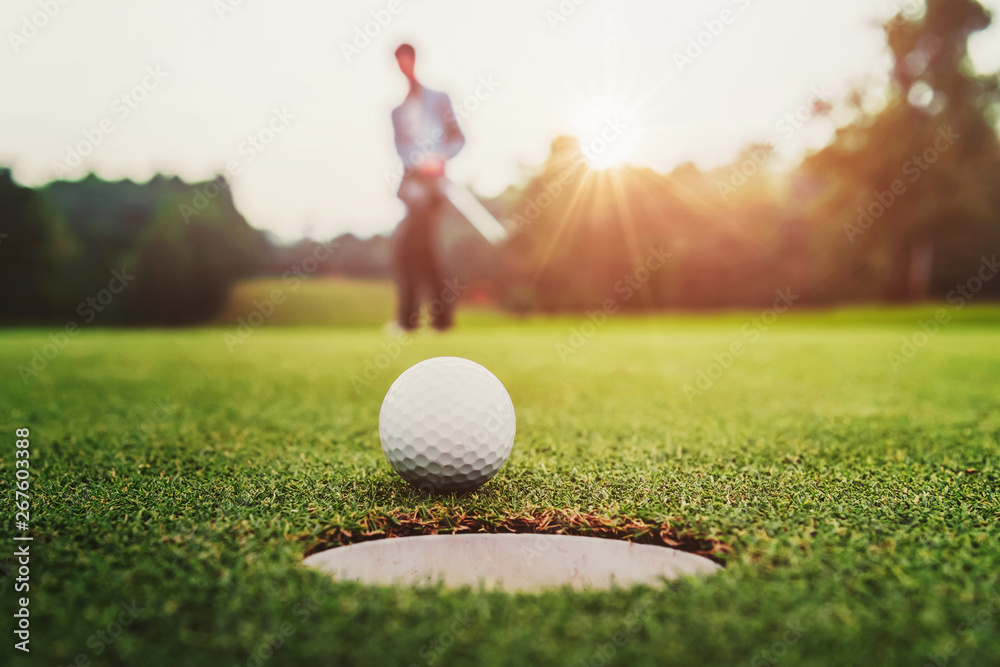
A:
(418, 267)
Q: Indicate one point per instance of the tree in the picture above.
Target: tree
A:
(913, 183)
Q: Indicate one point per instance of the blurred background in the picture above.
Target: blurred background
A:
(168, 165)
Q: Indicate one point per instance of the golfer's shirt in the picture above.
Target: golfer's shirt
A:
(425, 124)
(413, 119)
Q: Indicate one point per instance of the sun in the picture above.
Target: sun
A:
(607, 135)
(611, 114)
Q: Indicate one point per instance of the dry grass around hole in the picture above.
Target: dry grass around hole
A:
(447, 521)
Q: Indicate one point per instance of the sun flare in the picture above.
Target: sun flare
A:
(606, 135)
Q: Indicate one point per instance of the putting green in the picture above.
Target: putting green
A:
(859, 503)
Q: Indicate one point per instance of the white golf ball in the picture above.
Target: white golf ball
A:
(447, 424)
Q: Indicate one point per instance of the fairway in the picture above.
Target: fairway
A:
(178, 485)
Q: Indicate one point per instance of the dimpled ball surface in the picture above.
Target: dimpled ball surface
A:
(447, 424)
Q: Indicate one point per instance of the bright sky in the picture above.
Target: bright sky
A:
(276, 70)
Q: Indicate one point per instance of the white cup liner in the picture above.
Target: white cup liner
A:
(513, 562)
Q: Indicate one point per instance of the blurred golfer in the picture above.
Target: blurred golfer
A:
(427, 135)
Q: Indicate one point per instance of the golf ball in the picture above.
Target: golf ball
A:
(447, 424)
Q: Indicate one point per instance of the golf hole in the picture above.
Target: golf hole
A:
(540, 556)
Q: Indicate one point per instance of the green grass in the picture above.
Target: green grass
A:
(325, 302)
(861, 504)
